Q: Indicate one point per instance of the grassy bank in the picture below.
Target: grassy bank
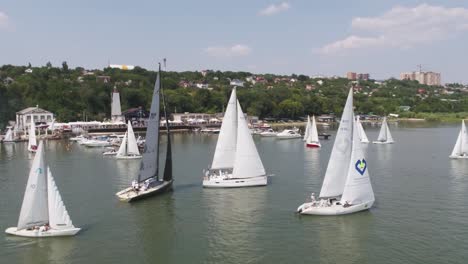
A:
(436, 117)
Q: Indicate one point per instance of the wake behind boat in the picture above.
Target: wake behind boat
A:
(460, 150)
(148, 183)
(347, 174)
(236, 162)
(43, 213)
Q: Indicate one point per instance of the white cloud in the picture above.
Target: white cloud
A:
(402, 27)
(228, 51)
(274, 9)
(3, 20)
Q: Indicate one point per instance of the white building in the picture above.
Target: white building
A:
(24, 117)
(237, 82)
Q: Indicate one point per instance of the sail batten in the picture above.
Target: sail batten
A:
(337, 169)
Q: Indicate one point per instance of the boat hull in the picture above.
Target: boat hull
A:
(38, 233)
(313, 145)
(218, 182)
(458, 157)
(382, 142)
(335, 209)
(130, 195)
(128, 157)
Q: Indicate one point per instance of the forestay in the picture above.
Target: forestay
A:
(227, 140)
(58, 215)
(358, 188)
(34, 208)
(337, 169)
(247, 161)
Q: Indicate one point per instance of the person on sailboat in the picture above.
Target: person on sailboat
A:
(312, 197)
(135, 185)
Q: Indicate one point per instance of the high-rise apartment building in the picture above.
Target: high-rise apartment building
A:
(428, 78)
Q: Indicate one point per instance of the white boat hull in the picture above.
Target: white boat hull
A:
(288, 137)
(268, 135)
(128, 157)
(458, 157)
(222, 182)
(130, 195)
(41, 233)
(382, 142)
(334, 209)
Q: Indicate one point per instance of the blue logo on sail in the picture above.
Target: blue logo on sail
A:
(361, 166)
(39, 170)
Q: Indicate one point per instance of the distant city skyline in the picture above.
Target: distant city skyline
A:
(382, 38)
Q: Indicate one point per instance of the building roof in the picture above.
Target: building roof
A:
(31, 110)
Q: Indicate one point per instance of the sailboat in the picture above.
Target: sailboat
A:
(128, 148)
(236, 162)
(347, 174)
(32, 142)
(312, 140)
(460, 150)
(148, 182)
(307, 129)
(8, 136)
(385, 137)
(361, 132)
(43, 213)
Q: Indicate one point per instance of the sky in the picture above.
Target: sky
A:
(382, 38)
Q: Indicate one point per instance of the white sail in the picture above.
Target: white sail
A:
(389, 135)
(362, 133)
(358, 188)
(8, 135)
(226, 146)
(132, 147)
(34, 208)
(337, 169)
(58, 215)
(247, 162)
(123, 146)
(313, 133)
(32, 142)
(461, 146)
(116, 111)
(383, 131)
(307, 129)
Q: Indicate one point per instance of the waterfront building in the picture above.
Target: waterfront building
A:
(32, 114)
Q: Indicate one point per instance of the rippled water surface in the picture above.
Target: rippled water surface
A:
(420, 215)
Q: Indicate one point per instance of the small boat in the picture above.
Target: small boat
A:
(32, 141)
(236, 162)
(8, 136)
(110, 152)
(361, 132)
(460, 150)
(210, 130)
(96, 143)
(385, 137)
(148, 183)
(128, 148)
(43, 213)
(347, 174)
(312, 140)
(269, 133)
(77, 138)
(288, 134)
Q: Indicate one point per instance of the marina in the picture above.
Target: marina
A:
(418, 195)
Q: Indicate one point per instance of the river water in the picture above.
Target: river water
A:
(420, 214)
